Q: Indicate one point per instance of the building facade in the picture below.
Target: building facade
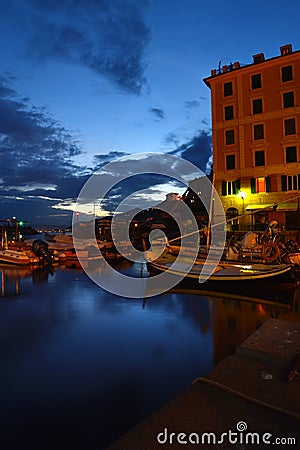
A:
(255, 135)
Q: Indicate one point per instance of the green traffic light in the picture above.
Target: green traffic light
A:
(21, 223)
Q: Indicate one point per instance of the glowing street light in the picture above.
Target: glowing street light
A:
(242, 195)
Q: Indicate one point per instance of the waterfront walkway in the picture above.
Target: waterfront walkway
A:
(257, 390)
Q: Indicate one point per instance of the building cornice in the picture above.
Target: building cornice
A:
(237, 68)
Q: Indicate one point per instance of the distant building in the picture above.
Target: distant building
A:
(255, 135)
(193, 198)
(172, 196)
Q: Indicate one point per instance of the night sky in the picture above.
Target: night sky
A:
(84, 82)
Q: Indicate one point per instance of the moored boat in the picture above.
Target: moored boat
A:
(19, 258)
(225, 271)
(232, 276)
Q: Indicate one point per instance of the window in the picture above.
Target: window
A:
(257, 106)
(291, 154)
(229, 137)
(227, 89)
(232, 324)
(289, 127)
(288, 99)
(256, 81)
(228, 112)
(259, 158)
(259, 185)
(286, 73)
(231, 187)
(258, 132)
(230, 162)
(290, 182)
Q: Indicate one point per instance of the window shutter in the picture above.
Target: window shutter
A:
(252, 184)
(283, 183)
(233, 187)
(224, 190)
(268, 184)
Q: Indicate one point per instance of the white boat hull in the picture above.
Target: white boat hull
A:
(228, 273)
(14, 257)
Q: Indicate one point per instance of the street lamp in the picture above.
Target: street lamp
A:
(242, 194)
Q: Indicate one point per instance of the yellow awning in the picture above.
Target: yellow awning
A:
(261, 206)
(287, 207)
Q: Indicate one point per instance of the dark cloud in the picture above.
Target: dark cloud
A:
(137, 191)
(102, 159)
(128, 181)
(197, 150)
(108, 37)
(172, 138)
(6, 92)
(36, 154)
(158, 113)
(191, 104)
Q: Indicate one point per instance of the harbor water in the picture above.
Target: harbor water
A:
(80, 366)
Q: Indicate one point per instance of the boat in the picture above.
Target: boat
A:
(225, 271)
(225, 274)
(19, 258)
(65, 239)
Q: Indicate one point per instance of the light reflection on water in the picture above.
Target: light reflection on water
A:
(81, 365)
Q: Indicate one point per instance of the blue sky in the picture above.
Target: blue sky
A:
(83, 82)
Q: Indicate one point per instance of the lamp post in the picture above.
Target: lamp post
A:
(242, 194)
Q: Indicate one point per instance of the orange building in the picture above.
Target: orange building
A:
(255, 135)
